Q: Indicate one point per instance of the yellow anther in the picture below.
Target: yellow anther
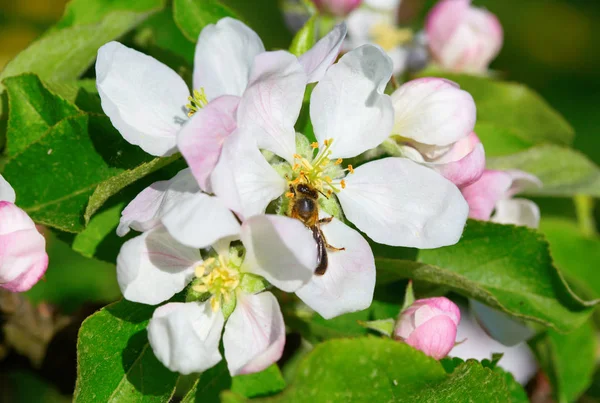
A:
(343, 184)
(215, 303)
(296, 167)
(314, 145)
(289, 195)
(297, 156)
(197, 100)
(327, 142)
(338, 161)
(200, 270)
(350, 169)
(200, 288)
(327, 179)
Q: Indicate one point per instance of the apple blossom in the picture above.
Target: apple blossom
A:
(226, 290)
(23, 258)
(393, 200)
(434, 121)
(494, 192)
(462, 37)
(429, 325)
(339, 8)
(146, 100)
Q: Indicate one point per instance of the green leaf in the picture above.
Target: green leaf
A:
(66, 51)
(382, 326)
(510, 116)
(114, 360)
(305, 38)
(191, 16)
(262, 383)
(563, 171)
(100, 226)
(504, 266)
(383, 370)
(568, 360)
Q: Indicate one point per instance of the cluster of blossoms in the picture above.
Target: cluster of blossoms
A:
(260, 205)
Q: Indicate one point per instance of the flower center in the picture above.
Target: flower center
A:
(197, 101)
(389, 37)
(217, 278)
(320, 172)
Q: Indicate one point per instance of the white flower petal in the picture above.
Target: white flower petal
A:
(348, 105)
(7, 193)
(199, 220)
(397, 202)
(144, 99)
(317, 60)
(271, 104)
(243, 178)
(522, 181)
(433, 111)
(254, 334)
(349, 281)
(145, 211)
(224, 55)
(499, 325)
(281, 249)
(517, 212)
(153, 267)
(185, 336)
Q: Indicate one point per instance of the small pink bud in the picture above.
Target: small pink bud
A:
(429, 325)
(339, 8)
(462, 37)
(23, 258)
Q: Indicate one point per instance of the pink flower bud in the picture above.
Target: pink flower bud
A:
(23, 258)
(462, 37)
(339, 8)
(429, 325)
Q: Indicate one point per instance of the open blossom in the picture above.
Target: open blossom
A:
(150, 104)
(494, 192)
(393, 200)
(23, 258)
(434, 121)
(429, 325)
(185, 337)
(462, 37)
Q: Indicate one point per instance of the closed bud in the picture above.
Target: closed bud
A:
(429, 325)
(462, 37)
(339, 8)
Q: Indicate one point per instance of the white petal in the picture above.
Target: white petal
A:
(281, 249)
(185, 336)
(243, 178)
(144, 99)
(318, 59)
(349, 281)
(7, 193)
(153, 267)
(271, 104)
(254, 334)
(397, 202)
(499, 325)
(145, 211)
(522, 181)
(348, 105)
(517, 212)
(199, 220)
(224, 56)
(433, 111)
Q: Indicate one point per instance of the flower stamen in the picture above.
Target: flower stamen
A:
(217, 278)
(197, 100)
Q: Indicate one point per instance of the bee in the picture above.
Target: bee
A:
(305, 207)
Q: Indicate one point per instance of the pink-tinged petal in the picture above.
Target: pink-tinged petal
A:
(465, 171)
(254, 334)
(421, 311)
(201, 139)
(23, 258)
(317, 60)
(443, 20)
(146, 210)
(349, 281)
(499, 325)
(185, 336)
(477, 344)
(522, 181)
(224, 56)
(433, 111)
(271, 104)
(398, 202)
(7, 193)
(338, 8)
(153, 267)
(143, 98)
(436, 337)
(243, 179)
(349, 106)
(281, 249)
(483, 195)
(199, 220)
(518, 212)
